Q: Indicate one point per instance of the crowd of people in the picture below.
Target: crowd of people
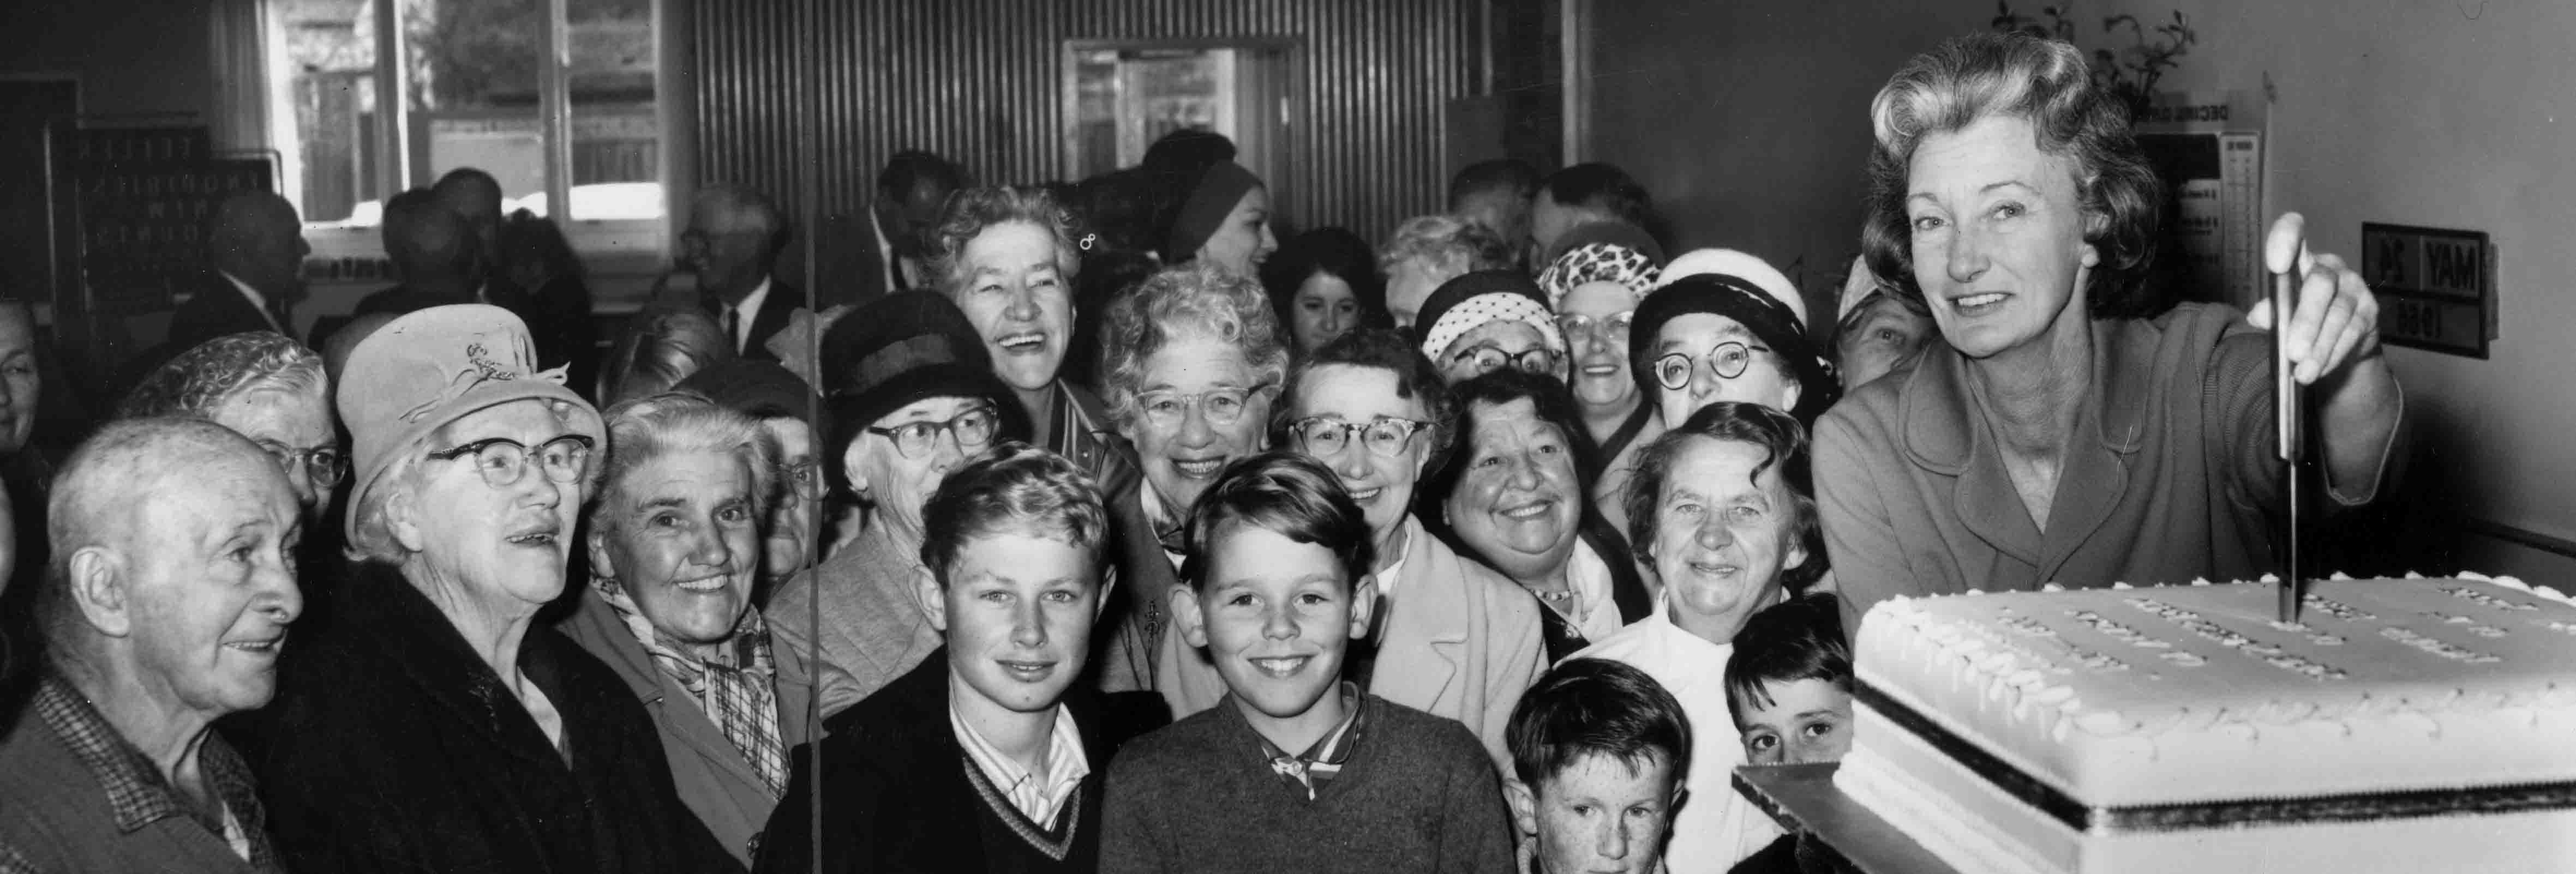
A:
(1111, 532)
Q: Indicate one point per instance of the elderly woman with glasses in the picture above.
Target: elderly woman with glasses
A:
(2075, 425)
(1193, 359)
(262, 386)
(1711, 337)
(1459, 640)
(674, 544)
(1608, 268)
(911, 395)
(1487, 320)
(433, 725)
(1512, 495)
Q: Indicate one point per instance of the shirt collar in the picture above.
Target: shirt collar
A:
(137, 793)
(749, 309)
(1335, 747)
(1393, 573)
(1067, 764)
(257, 300)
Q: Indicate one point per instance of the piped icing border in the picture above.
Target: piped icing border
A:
(2354, 807)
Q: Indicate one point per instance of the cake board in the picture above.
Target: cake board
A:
(1804, 798)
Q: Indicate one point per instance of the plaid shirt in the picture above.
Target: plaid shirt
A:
(136, 792)
(1311, 770)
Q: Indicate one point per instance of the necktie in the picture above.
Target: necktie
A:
(733, 328)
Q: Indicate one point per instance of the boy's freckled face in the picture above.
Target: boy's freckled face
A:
(1807, 721)
(1276, 616)
(1601, 815)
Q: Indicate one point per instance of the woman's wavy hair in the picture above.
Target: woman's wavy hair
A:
(1333, 251)
(971, 211)
(1553, 404)
(645, 430)
(1186, 302)
(2046, 81)
(1784, 445)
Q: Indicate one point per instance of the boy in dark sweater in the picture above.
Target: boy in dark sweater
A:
(1788, 686)
(1599, 750)
(1297, 769)
(990, 756)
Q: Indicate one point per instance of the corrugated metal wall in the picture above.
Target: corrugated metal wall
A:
(979, 82)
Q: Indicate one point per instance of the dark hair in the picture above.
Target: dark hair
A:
(1510, 175)
(1385, 349)
(1187, 152)
(2046, 81)
(971, 211)
(910, 168)
(1119, 207)
(1287, 494)
(1018, 488)
(1785, 444)
(1605, 188)
(526, 236)
(1333, 251)
(1797, 639)
(1596, 707)
(1555, 406)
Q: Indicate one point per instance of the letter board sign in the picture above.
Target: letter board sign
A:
(2436, 288)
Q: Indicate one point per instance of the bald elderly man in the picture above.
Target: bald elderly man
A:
(255, 244)
(172, 590)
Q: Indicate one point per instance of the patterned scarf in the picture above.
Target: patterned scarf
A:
(737, 688)
(1598, 262)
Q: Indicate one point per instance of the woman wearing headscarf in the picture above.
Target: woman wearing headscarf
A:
(1607, 269)
(434, 725)
(675, 551)
(1487, 321)
(2075, 426)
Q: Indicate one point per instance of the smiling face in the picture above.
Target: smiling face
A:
(1512, 338)
(1276, 616)
(211, 587)
(1600, 814)
(1600, 366)
(1381, 485)
(19, 387)
(287, 424)
(683, 539)
(1182, 460)
(1323, 309)
(898, 484)
(1808, 721)
(506, 545)
(1017, 613)
(1244, 240)
(1765, 379)
(1519, 500)
(1998, 236)
(1010, 288)
(1723, 535)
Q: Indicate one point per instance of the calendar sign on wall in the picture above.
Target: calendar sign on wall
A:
(2436, 287)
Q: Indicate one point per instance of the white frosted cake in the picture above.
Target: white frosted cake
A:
(2400, 725)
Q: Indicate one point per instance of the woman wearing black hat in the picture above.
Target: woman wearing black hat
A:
(911, 395)
(1224, 221)
(1713, 337)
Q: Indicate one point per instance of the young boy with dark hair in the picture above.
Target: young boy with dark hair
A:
(1788, 686)
(1599, 750)
(1295, 769)
(991, 755)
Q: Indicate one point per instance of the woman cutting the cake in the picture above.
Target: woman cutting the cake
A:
(2080, 427)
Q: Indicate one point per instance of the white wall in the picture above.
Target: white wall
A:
(1748, 120)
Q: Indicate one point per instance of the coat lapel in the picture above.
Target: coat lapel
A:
(1430, 606)
(2108, 431)
(1943, 435)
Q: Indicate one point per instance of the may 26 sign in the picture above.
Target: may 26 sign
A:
(2436, 287)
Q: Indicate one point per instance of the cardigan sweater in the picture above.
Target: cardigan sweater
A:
(899, 795)
(2169, 477)
(1418, 795)
(873, 629)
(393, 747)
(713, 778)
(1460, 640)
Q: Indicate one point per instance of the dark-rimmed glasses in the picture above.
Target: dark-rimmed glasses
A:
(1728, 361)
(324, 465)
(1326, 436)
(503, 462)
(972, 428)
(1487, 358)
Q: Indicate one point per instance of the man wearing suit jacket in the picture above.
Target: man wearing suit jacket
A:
(732, 244)
(256, 246)
(885, 248)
